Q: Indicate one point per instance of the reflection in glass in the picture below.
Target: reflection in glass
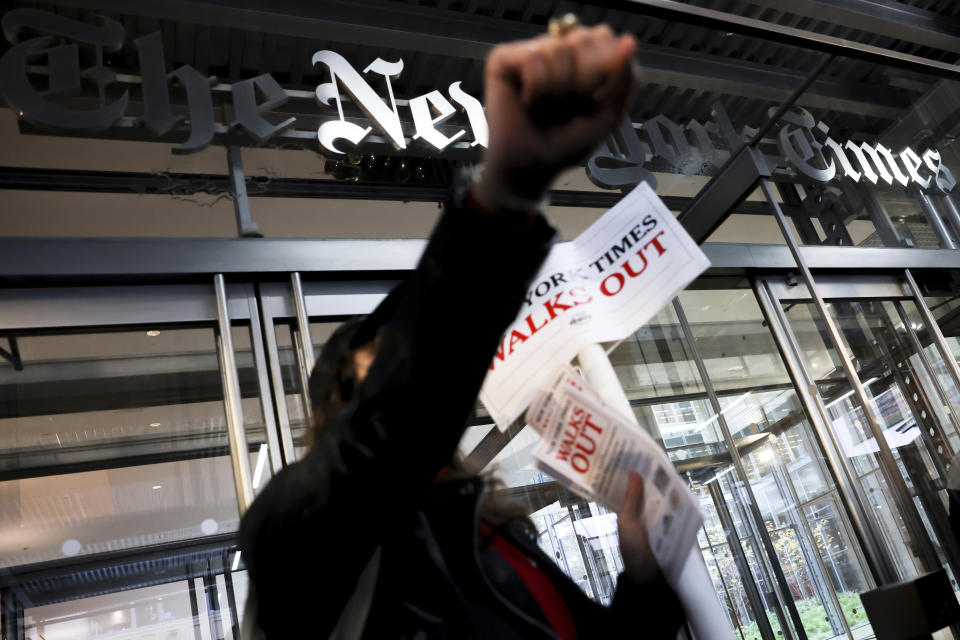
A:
(162, 612)
(114, 440)
(902, 393)
(293, 397)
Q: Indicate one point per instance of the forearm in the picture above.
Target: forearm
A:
(435, 352)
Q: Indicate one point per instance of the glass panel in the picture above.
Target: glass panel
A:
(945, 307)
(843, 571)
(897, 383)
(865, 157)
(660, 377)
(112, 440)
(159, 612)
(784, 464)
(730, 585)
(162, 610)
(582, 538)
(656, 361)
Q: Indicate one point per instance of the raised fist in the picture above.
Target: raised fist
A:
(550, 101)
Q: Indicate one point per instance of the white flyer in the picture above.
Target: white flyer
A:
(601, 287)
(590, 449)
(566, 377)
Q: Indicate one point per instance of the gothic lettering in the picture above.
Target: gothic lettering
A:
(943, 180)
(618, 163)
(157, 114)
(676, 151)
(913, 162)
(387, 118)
(422, 108)
(248, 110)
(797, 143)
(63, 61)
(475, 114)
(621, 162)
(869, 159)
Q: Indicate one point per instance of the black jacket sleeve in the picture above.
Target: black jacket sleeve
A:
(322, 517)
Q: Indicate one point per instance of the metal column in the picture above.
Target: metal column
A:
(11, 616)
(276, 380)
(886, 229)
(303, 343)
(740, 559)
(194, 607)
(303, 319)
(952, 214)
(246, 227)
(267, 402)
(231, 596)
(936, 222)
(213, 605)
(888, 465)
(935, 382)
(231, 400)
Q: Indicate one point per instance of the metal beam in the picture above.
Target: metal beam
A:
(141, 183)
(728, 23)
(929, 120)
(467, 35)
(57, 462)
(891, 19)
(113, 571)
(705, 72)
(723, 193)
(388, 25)
(663, 65)
(130, 260)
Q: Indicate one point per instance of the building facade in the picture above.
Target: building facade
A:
(194, 195)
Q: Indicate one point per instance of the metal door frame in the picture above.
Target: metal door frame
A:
(217, 305)
(771, 291)
(298, 302)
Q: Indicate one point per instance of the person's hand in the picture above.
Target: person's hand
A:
(549, 102)
(638, 561)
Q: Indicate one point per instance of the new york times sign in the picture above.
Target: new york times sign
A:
(53, 43)
(59, 47)
(803, 142)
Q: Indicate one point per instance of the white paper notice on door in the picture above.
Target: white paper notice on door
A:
(601, 287)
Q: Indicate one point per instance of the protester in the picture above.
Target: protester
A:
(371, 535)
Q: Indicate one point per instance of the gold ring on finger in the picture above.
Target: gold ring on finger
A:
(561, 26)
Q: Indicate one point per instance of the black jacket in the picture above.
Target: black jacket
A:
(368, 484)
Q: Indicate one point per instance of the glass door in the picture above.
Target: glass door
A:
(122, 410)
(883, 330)
(298, 317)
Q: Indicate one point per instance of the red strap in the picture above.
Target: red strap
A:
(543, 591)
